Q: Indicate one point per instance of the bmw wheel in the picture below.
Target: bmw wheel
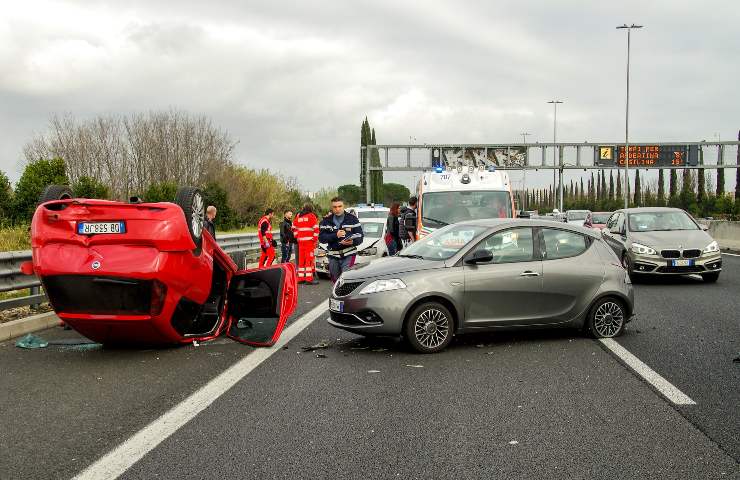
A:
(607, 318)
(190, 200)
(429, 328)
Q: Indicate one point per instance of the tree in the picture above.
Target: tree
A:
(661, 188)
(673, 184)
(376, 176)
(638, 188)
(619, 185)
(6, 197)
(36, 176)
(214, 194)
(611, 185)
(591, 191)
(364, 140)
(701, 191)
(86, 187)
(161, 192)
(737, 177)
(352, 194)
(720, 182)
(395, 192)
(581, 193)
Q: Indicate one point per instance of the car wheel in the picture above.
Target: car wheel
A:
(710, 277)
(190, 200)
(55, 192)
(429, 328)
(607, 318)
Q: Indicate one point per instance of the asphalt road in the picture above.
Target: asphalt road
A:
(521, 405)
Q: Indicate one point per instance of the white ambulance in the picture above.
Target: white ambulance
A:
(454, 194)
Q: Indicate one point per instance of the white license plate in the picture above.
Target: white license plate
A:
(92, 228)
(336, 305)
(682, 263)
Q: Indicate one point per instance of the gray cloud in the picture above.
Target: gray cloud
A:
(291, 81)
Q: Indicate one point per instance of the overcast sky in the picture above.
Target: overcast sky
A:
(292, 81)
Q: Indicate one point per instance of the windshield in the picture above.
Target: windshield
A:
(372, 214)
(578, 215)
(443, 208)
(443, 243)
(372, 229)
(600, 218)
(660, 221)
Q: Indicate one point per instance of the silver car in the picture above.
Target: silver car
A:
(485, 275)
(662, 241)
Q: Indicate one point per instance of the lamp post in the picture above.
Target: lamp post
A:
(627, 117)
(555, 149)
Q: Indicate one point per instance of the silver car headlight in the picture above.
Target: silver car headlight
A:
(368, 251)
(712, 247)
(383, 286)
(643, 249)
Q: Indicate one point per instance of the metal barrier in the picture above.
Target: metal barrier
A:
(242, 248)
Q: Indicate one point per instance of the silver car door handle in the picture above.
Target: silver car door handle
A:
(529, 273)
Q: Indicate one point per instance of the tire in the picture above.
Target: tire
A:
(711, 277)
(190, 200)
(55, 192)
(607, 318)
(429, 328)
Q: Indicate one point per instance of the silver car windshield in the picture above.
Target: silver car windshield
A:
(660, 221)
(444, 208)
(372, 229)
(372, 214)
(443, 243)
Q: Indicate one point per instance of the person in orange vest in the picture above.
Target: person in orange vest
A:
(264, 234)
(306, 232)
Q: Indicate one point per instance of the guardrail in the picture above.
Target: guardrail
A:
(242, 248)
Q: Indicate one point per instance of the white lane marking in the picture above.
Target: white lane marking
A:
(664, 386)
(121, 458)
(731, 254)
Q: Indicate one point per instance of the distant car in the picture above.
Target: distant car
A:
(599, 219)
(372, 247)
(663, 241)
(147, 273)
(576, 217)
(486, 275)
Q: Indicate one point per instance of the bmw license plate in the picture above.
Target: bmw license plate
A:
(92, 228)
(681, 263)
(336, 305)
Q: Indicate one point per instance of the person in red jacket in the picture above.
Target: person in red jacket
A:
(264, 234)
(306, 232)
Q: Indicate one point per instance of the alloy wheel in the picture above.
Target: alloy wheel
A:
(197, 214)
(608, 319)
(431, 328)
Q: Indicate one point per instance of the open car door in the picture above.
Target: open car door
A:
(259, 303)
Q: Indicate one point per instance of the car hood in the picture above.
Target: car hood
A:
(676, 239)
(390, 266)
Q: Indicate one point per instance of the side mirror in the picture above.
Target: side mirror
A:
(479, 256)
(524, 214)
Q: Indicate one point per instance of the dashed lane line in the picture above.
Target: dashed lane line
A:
(121, 458)
(651, 376)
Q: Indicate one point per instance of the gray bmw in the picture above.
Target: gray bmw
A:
(484, 275)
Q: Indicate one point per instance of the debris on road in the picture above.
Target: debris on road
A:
(373, 371)
(415, 366)
(513, 442)
(480, 345)
(320, 355)
(31, 341)
(318, 346)
(380, 350)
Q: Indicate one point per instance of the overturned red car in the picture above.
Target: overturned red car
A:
(149, 273)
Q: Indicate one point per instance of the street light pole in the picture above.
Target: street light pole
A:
(627, 117)
(554, 148)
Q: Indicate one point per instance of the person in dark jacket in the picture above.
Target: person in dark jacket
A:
(287, 239)
(208, 224)
(409, 221)
(342, 232)
(392, 227)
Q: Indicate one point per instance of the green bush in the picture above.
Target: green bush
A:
(6, 197)
(36, 176)
(161, 192)
(87, 187)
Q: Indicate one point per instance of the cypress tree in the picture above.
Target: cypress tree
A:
(611, 185)
(737, 175)
(363, 157)
(661, 188)
(591, 192)
(701, 187)
(720, 182)
(638, 189)
(581, 193)
(377, 175)
(673, 184)
(603, 185)
(619, 184)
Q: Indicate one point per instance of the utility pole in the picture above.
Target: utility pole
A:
(627, 117)
(554, 140)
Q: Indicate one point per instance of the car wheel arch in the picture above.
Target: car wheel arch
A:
(435, 297)
(615, 295)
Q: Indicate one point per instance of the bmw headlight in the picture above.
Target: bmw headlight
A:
(368, 251)
(712, 247)
(643, 249)
(383, 286)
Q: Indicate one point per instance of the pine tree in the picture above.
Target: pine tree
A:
(591, 192)
(570, 193)
(376, 175)
(582, 192)
(661, 188)
(619, 185)
(673, 184)
(611, 185)
(364, 138)
(701, 190)
(638, 189)
(720, 182)
(603, 194)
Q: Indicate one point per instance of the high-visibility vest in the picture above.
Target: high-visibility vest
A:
(306, 228)
(266, 239)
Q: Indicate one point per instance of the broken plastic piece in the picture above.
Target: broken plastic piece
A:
(318, 346)
(31, 341)
(415, 366)
(320, 355)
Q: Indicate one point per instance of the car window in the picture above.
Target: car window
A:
(510, 246)
(444, 243)
(661, 221)
(372, 229)
(563, 243)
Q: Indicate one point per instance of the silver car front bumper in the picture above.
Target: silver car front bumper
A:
(377, 313)
(657, 265)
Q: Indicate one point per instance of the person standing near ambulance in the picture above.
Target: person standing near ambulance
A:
(306, 232)
(267, 243)
(342, 231)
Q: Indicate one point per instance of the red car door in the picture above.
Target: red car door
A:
(259, 303)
